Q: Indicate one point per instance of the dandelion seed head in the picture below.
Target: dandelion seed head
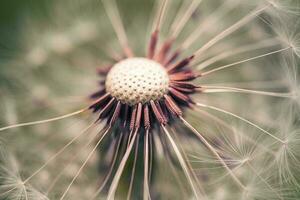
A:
(137, 80)
(148, 103)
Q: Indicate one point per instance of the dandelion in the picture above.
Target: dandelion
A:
(209, 111)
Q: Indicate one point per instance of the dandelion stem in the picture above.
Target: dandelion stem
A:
(214, 151)
(182, 162)
(222, 89)
(115, 182)
(84, 164)
(244, 61)
(242, 119)
(43, 121)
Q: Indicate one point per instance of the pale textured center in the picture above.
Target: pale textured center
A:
(137, 80)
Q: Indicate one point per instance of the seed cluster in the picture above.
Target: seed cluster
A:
(137, 80)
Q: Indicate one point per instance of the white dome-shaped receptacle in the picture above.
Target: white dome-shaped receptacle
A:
(137, 80)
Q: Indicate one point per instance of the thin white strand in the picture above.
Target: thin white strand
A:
(180, 13)
(264, 181)
(110, 169)
(178, 27)
(43, 121)
(150, 24)
(118, 174)
(243, 61)
(48, 161)
(133, 168)
(84, 164)
(231, 30)
(176, 176)
(58, 176)
(175, 134)
(226, 125)
(160, 15)
(242, 119)
(209, 21)
(226, 174)
(239, 50)
(146, 193)
(25, 192)
(270, 84)
(59, 152)
(182, 162)
(231, 162)
(115, 19)
(223, 89)
(213, 150)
